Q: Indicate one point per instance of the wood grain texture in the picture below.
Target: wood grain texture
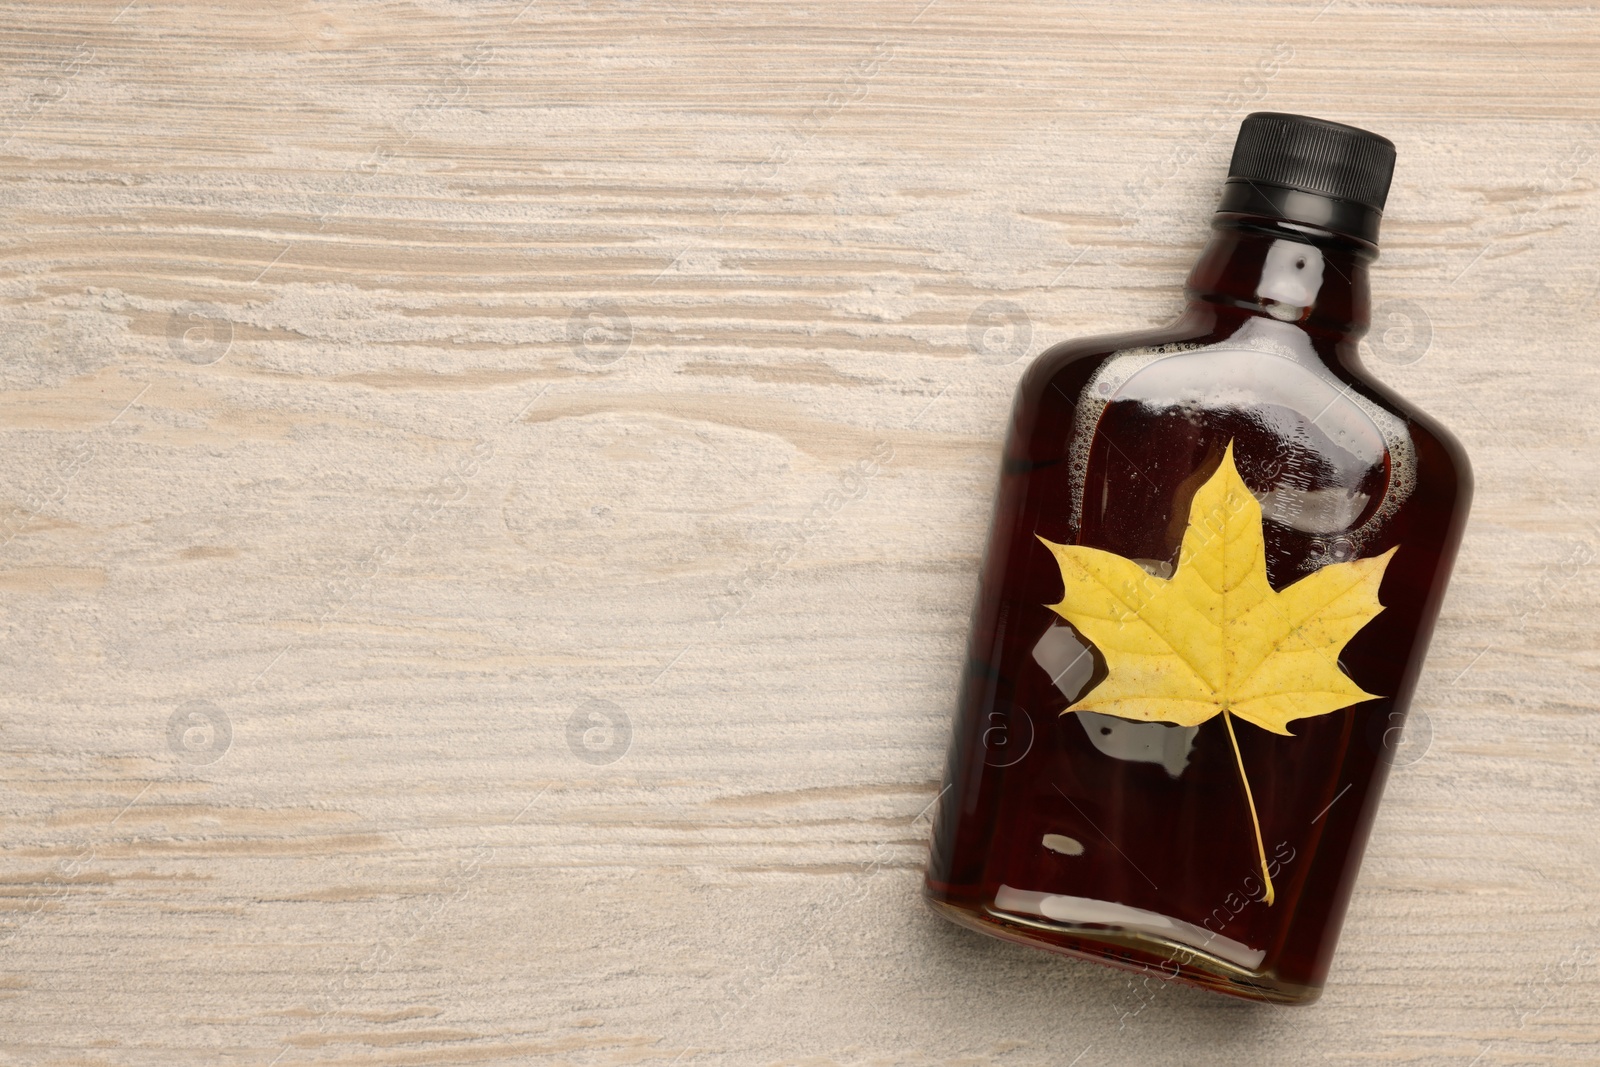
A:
(493, 494)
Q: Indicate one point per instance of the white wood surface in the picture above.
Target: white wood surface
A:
(302, 438)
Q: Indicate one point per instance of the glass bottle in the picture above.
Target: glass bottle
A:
(1129, 841)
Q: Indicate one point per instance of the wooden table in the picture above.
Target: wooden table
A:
(494, 493)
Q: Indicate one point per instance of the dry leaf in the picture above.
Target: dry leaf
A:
(1216, 637)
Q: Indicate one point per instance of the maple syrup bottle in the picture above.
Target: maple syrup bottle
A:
(1215, 562)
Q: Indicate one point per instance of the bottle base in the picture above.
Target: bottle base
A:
(1128, 950)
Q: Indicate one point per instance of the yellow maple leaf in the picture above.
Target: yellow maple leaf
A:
(1216, 637)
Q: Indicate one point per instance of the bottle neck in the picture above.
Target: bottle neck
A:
(1286, 271)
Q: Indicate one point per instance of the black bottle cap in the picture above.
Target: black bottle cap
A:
(1320, 173)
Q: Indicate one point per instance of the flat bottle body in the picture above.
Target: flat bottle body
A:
(1132, 842)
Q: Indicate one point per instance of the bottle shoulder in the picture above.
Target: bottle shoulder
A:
(1065, 365)
(1072, 367)
(1330, 447)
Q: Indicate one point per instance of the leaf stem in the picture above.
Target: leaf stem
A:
(1261, 849)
